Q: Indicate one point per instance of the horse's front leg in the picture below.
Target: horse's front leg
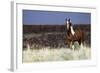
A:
(69, 44)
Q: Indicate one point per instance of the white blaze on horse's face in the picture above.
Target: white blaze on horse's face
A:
(67, 24)
(72, 31)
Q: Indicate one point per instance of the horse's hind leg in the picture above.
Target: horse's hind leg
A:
(81, 44)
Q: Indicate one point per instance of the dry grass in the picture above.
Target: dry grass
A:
(55, 54)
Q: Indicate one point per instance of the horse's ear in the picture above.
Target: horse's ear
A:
(69, 19)
(66, 19)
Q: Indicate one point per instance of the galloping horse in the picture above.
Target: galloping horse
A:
(72, 36)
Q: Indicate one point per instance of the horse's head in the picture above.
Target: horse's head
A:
(70, 29)
(68, 23)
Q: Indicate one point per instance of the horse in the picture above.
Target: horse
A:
(73, 36)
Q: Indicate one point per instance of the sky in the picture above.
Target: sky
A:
(34, 17)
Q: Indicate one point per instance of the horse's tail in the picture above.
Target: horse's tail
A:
(83, 37)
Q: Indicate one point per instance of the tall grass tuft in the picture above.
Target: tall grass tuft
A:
(55, 54)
